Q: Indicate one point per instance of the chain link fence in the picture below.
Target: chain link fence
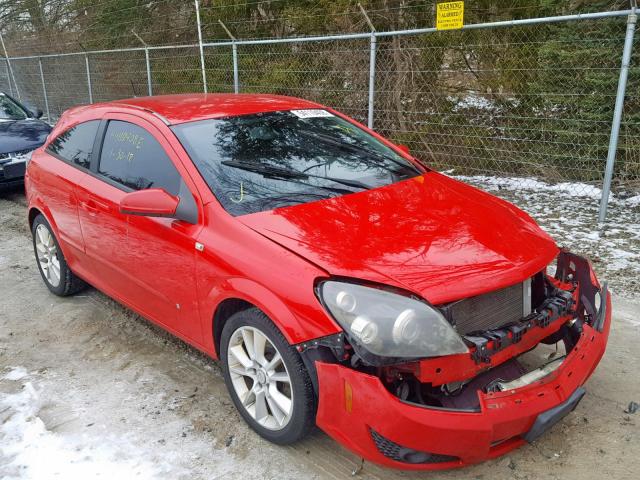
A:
(520, 101)
(334, 73)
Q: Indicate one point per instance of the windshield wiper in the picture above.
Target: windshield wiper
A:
(363, 151)
(290, 173)
(265, 169)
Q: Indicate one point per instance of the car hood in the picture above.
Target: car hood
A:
(433, 235)
(16, 135)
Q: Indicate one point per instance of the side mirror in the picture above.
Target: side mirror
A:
(153, 202)
(33, 110)
(404, 148)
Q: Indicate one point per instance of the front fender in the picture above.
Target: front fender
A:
(298, 323)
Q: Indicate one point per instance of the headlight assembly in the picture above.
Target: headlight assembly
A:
(387, 324)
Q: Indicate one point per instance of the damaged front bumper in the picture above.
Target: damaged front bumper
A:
(359, 411)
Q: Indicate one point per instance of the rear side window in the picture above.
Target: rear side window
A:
(75, 144)
(132, 157)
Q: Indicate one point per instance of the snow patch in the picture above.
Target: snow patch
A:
(28, 450)
(633, 201)
(16, 373)
(573, 189)
(472, 101)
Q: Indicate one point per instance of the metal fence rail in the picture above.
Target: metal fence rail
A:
(541, 97)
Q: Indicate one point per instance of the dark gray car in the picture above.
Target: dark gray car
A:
(21, 132)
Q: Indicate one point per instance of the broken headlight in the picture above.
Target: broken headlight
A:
(388, 324)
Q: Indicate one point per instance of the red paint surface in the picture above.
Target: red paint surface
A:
(190, 107)
(431, 235)
(437, 237)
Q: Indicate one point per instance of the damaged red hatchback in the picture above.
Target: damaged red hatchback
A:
(340, 281)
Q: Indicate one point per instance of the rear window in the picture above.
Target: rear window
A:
(260, 162)
(75, 145)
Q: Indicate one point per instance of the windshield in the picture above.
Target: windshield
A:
(264, 161)
(10, 110)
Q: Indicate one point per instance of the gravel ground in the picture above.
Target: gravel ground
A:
(89, 389)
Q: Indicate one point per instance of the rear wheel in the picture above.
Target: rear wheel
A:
(53, 267)
(266, 378)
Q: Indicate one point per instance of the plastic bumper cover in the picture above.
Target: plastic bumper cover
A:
(12, 172)
(358, 411)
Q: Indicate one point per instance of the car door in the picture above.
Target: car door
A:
(155, 262)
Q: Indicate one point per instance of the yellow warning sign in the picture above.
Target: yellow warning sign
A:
(450, 15)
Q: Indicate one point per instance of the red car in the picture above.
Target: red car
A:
(341, 282)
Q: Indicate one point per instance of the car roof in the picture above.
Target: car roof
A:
(190, 107)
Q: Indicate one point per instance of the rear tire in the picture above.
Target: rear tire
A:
(53, 267)
(267, 380)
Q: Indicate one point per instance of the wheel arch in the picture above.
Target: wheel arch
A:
(237, 294)
(39, 207)
(33, 213)
(225, 309)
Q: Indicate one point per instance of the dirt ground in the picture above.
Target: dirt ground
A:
(89, 389)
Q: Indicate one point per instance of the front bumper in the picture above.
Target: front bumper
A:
(358, 411)
(12, 172)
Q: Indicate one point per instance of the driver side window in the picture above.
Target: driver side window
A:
(132, 157)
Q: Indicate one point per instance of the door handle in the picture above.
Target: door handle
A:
(95, 206)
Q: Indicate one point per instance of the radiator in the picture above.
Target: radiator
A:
(490, 310)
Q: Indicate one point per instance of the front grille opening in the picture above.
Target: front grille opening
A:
(463, 396)
(402, 454)
(10, 155)
(494, 309)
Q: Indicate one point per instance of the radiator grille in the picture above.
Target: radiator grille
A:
(10, 155)
(491, 310)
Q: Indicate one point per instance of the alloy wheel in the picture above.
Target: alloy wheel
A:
(260, 378)
(48, 255)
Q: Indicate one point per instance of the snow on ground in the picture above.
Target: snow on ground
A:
(568, 212)
(16, 373)
(29, 450)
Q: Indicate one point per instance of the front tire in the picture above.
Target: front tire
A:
(53, 267)
(266, 378)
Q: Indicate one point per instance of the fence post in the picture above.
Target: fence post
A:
(6, 66)
(617, 114)
(372, 66)
(202, 67)
(86, 62)
(44, 89)
(372, 79)
(234, 54)
(236, 79)
(149, 85)
(146, 61)
(12, 76)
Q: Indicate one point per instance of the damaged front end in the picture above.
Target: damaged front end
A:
(523, 355)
